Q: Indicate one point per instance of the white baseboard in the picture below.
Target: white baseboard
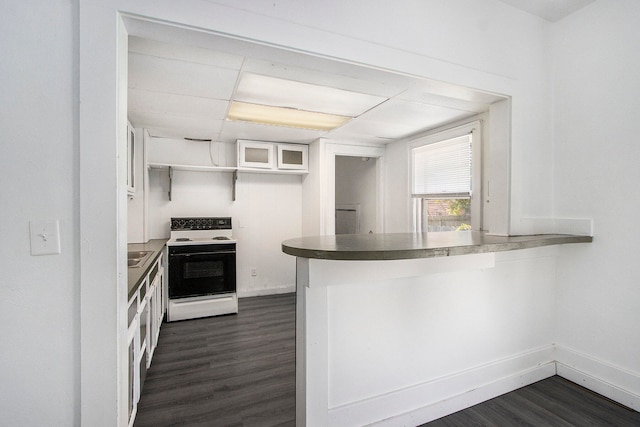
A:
(470, 387)
(463, 389)
(617, 384)
(267, 291)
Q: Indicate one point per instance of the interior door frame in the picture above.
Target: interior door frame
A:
(331, 151)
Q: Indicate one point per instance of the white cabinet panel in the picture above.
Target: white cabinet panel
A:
(293, 156)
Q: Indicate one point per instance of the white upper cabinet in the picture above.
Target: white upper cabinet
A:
(293, 157)
(259, 156)
(255, 155)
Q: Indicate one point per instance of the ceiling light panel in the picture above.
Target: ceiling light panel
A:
(258, 89)
(278, 116)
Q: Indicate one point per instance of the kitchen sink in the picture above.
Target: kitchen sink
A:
(137, 254)
(137, 258)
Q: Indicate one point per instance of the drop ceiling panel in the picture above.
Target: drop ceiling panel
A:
(185, 125)
(397, 119)
(366, 128)
(383, 87)
(179, 133)
(144, 101)
(232, 131)
(185, 78)
(424, 97)
(265, 90)
(184, 53)
(413, 115)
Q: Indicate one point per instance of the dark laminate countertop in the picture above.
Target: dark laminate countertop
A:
(392, 246)
(137, 274)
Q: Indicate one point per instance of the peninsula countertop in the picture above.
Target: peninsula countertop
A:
(395, 246)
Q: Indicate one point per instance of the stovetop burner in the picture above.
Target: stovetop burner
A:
(201, 231)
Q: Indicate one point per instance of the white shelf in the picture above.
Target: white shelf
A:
(225, 169)
(192, 167)
(171, 167)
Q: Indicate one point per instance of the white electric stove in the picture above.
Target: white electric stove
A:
(202, 268)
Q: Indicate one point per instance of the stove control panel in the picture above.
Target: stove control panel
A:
(200, 223)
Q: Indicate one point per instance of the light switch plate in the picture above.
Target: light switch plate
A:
(45, 237)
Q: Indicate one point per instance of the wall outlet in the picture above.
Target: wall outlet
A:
(254, 273)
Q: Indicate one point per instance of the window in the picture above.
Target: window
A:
(446, 179)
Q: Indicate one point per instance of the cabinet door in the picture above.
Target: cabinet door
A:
(131, 377)
(255, 155)
(133, 356)
(293, 156)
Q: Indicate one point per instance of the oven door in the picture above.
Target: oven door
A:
(201, 270)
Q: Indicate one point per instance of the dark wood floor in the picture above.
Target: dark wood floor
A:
(551, 402)
(239, 370)
(235, 370)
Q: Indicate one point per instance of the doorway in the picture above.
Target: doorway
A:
(355, 194)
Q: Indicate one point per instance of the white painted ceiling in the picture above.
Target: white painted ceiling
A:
(181, 84)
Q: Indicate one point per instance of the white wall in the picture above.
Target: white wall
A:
(597, 105)
(398, 215)
(313, 196)
(39, 355)
(267, 210)
(355, 183)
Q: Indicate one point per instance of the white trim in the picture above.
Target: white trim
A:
(479, 384)
(462, 390)
(284, 289)
(616, 383)
(331, 151)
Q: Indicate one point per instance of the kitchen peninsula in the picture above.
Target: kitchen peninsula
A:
(405, 328)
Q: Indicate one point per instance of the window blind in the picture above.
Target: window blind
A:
(443, 169)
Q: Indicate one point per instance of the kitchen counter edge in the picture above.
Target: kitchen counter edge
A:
(397, 246)
(135, 275)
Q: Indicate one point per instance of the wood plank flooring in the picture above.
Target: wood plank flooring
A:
(235, 370)
(551, 402)
(239, 370)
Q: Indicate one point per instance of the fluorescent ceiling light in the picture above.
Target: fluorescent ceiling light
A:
(280, 116)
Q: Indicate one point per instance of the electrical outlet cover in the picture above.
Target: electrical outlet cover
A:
(45, 237)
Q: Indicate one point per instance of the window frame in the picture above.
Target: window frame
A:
(475, 129)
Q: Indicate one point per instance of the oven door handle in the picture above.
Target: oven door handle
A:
(204, 253)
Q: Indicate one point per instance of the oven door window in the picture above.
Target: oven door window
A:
(193, 275)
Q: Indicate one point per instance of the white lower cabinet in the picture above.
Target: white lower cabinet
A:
(145, 313)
